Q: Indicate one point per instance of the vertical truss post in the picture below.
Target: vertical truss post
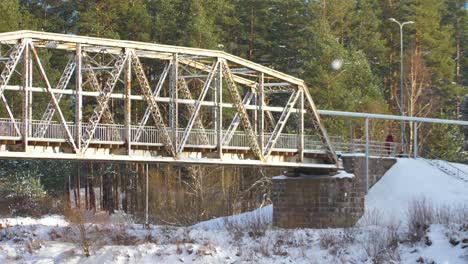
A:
(219, 110)
(30, 93)
(261, 112)
(26, 97)
(78, 96)
(128, 106)
(173, 104)
(300, 142)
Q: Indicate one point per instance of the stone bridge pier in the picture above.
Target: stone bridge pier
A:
(314, 201)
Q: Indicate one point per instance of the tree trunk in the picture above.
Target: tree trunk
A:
(92, 195)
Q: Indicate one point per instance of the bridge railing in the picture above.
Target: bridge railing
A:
(7, 129)
(54, 129)
(115, 134)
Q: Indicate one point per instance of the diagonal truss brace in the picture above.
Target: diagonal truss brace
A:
(243, 115)
(236, 120)
(50, 110)
(152, 104)
(288, 109)
(322, 133)
(106, 115)
(156, 91)
(196, 108)
(185, 91)
(8, 70)
(103, 99)
(52, 97)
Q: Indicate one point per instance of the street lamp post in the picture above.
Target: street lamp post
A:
(402, 101)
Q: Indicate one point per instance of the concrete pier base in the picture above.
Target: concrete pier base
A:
(314, 201)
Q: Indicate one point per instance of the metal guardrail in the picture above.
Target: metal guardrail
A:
(111, 133)
(446, 167)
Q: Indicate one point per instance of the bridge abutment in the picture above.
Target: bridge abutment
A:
(321, 201)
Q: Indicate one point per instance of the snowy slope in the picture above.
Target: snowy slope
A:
(411, 179)
(463, 167)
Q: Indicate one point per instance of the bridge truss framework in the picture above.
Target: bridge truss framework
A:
(134, 101)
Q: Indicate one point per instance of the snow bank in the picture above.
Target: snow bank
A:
(264, 214)
(48, 220)
(410, 179)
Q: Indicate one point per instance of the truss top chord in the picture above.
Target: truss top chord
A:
(69, 42)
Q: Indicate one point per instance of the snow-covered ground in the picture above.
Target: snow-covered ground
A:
(381, 236)
(463, 167)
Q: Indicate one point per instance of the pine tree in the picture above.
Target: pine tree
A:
(247, 34)
(366, 35)
(15, 17)
(163, 21)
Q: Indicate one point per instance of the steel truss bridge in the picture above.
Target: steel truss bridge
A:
(118, 100)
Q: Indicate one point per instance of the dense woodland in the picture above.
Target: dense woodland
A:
(299, 37)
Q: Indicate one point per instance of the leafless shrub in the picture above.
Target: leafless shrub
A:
(179, 249)
(420, 216)
(349, 234)
(77, 217)
(33, 245)
(298, 239)
(256, 225)
(371, 217)
(207, 249)
(182, 237)
(264, 247)
(234, 228)
(452, 215)
(123, 238)
(149, 238)
(54, 234)
(278, 249)
(328, 238)
(443, 215)
(381, 246)
(425, 260)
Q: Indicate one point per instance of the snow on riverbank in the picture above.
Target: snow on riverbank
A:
(48, 220)
(249, 237)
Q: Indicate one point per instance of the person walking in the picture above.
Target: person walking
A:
(389, 143)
